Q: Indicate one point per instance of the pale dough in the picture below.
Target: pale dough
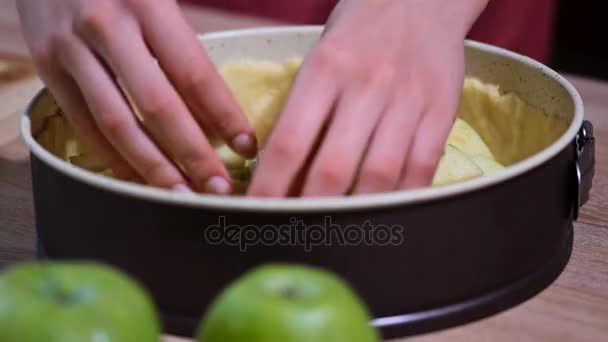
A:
(491, 130)
(513, 129)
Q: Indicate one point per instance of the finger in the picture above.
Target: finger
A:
(296, 131)
(115, 119)
(297, 185)
(185, 61)
(75, 109)
(342, 149)
(381, 170)
(427, 147)
(435, 125)
(164, 114)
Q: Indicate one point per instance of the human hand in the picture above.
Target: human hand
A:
(374, 101)
(85, 50)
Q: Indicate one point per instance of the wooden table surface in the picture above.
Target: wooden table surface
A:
(574, 308)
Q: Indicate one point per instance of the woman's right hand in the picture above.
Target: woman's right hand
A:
(82, 50)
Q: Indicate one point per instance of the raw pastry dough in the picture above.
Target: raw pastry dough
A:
(489, 124)
(513, 129)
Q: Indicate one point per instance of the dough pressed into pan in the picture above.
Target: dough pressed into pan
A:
(491, 129)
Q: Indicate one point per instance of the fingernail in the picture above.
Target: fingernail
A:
(218, 185)
(182, 188)
(244, 143)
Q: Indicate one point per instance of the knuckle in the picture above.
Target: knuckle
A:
(159, 173)
(196, 83)
(380, 73)
(382, 175)
(374, 74)
(63, 45)
(111, 123)
(62, 40)
(370, 69)
(42, 54)
(95, 19)
(323, 58)
(332, 54)
(196, 76)
(196, 160)
(333, 173)
(425, 165)
(285, 149)
(200, 167)
(157, 107)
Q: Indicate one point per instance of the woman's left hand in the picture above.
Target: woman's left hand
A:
(374, 101)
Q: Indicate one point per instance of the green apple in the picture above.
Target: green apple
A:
(287, 303)
(74, 302)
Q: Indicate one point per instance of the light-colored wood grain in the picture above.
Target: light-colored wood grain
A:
(17, 232)
(13, 98)
(574, 308)
(14, 150)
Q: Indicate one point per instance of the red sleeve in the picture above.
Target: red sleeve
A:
(524, 26)
(290, 11)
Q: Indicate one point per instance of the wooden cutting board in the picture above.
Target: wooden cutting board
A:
(18, 84)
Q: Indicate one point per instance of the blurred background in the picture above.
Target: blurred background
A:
(566, 34)
(580, 44)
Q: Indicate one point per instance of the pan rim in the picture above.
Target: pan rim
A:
(316, 204)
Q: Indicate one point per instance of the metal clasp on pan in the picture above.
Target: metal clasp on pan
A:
(584, 165)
